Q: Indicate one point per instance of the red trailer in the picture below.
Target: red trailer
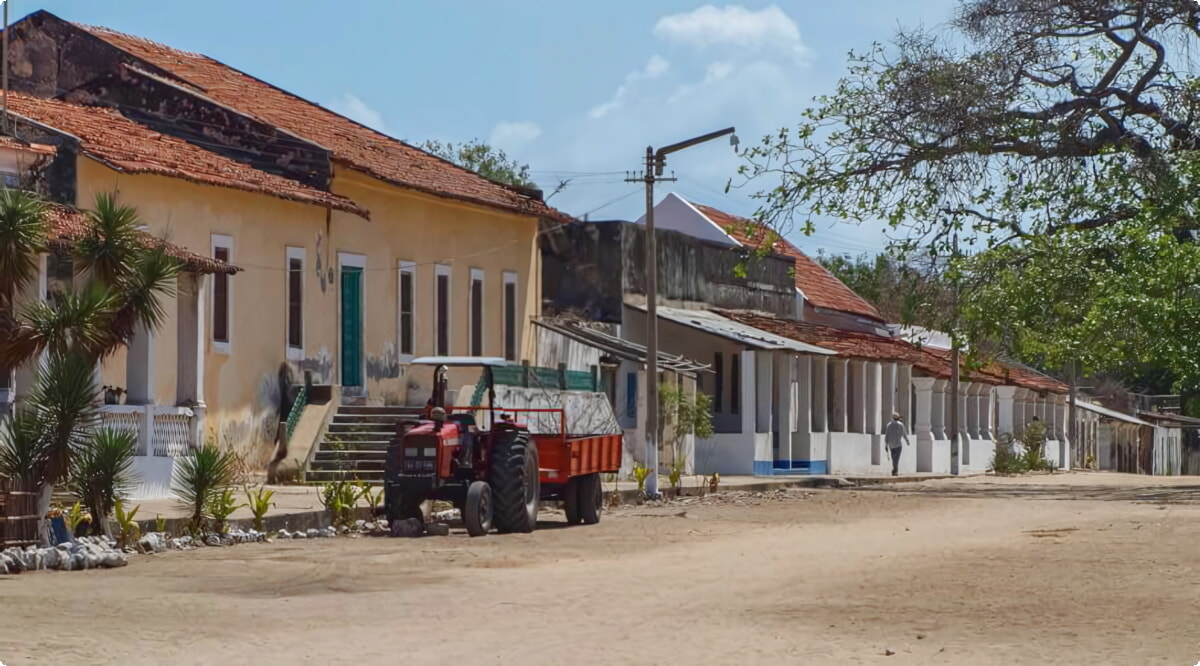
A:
(495, 473)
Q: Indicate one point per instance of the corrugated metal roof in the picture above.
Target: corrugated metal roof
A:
(622, 349)
(714, 324)
(1111, 413)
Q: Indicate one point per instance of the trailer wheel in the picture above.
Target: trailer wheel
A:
(477, 510)
(591, 498)
(515, 482)
(571, 502)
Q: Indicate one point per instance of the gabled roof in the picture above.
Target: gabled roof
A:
(353, 144)
(68, 225)
(819, 286)
(114, 140)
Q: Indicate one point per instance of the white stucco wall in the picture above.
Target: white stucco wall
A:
(676, 214)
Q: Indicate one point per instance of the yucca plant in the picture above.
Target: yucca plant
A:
(259, 501)
(22, 446)
(372, 497)
(104, 471)
(23, 238)
(199, 478)
(126, 523)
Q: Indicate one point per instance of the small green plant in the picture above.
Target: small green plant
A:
(373, 498)
(259, 501)
(339, 498)
(1090, 462)
(714, 482)
(76, 516)
(640, 474)
(1006, 461)
(160, 523)
(678, 466)
(126, 523)
(220, 507)
(1034, 440)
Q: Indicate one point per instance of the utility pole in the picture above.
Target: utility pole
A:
(1071, 434)
(656, 162)
(955, 441)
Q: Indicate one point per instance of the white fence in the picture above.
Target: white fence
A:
(165, 432)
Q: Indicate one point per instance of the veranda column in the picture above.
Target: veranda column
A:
(749, 412)
(940, 411)
(1021, 411)
(923, 412)
(195, 352)
(973, 403)
(804, 394)
(856, 398)
(874, 386)
(819, 369)
(987, 410)
(1061, 412)
(838, 395)
(887, 392)
(784, 415)
(904, 391)
(964, 434)
(1005, 409)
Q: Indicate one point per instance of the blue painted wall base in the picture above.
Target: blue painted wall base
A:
(790, 467)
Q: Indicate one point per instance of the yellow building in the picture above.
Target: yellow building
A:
(356, 251)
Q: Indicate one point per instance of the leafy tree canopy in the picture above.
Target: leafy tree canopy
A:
(485, 160)
(1061, 135)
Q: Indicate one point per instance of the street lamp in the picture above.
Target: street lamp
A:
(656, 162)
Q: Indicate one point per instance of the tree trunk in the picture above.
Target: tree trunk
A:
(43, 508)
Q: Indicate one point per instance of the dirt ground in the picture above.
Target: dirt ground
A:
(1077, 568)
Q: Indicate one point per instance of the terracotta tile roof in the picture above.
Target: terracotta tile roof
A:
(351, 143)
(35, 148)
(869, 346)
(68, 224)
(820, 287)
(133, 148)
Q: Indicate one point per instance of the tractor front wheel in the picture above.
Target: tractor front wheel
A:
(591, 498)
(515, 481)
(477, 509)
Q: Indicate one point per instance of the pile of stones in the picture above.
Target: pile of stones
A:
(85, 553)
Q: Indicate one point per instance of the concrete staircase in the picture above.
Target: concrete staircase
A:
(354, 445)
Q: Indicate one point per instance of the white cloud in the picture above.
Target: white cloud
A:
(655, 68)
(734, 26)
(357, 110)
(512, 136)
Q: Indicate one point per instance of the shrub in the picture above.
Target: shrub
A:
(220, 506)
(1007, 461)
(259, 501)
(127, 524)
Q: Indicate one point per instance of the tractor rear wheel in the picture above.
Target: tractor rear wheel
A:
(477, 510)
(516, 486)
(591, 498)
(571, 501)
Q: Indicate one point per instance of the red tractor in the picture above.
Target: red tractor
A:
(498, 473)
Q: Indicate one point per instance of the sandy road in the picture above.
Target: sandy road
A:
(966, 571)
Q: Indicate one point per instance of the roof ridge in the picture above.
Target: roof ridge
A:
(385, 137)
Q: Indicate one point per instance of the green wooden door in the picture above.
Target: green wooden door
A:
(352, 326)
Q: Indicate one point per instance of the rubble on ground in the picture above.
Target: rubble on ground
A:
(729, 498)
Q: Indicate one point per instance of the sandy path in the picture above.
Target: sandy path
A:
(823, 577)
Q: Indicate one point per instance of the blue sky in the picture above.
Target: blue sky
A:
(575, 89)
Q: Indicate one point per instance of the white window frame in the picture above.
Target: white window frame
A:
(405, 268)
(438, 271)
(477, 275)
(222, 241)
(510, 277)
(294, 353)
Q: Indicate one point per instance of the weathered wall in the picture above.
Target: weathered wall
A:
(427, 231)
(50, 58)
(582, 260)
(241, 388)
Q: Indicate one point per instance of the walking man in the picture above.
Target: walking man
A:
(895, 433)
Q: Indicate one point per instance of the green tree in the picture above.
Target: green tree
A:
(124, 281)
(487, 161)
(1060, 135)
(909, 290)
